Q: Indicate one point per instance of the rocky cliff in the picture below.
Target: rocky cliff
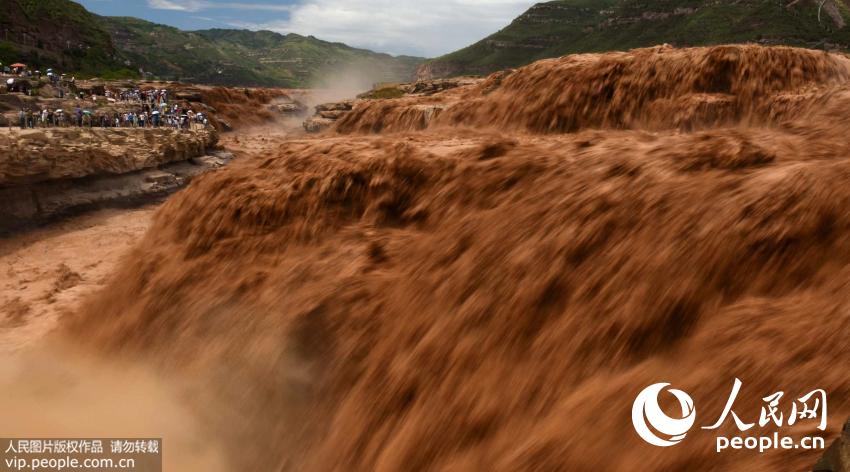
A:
(61, 153)
(48, 173)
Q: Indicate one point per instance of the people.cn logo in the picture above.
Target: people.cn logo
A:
(653, 425)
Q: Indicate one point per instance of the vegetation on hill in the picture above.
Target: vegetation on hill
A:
(556, 28)
(241, 57)
(64, 35)
(58, 33)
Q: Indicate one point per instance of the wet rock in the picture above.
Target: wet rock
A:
(332, 114)
(345, 105)
(159, 177)
(25, 206)
(430, 87)
(293, 108)
(317, 124)
(209, 161)
(224, 156)
(327, 114)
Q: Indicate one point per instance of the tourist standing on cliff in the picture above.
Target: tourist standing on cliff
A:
(78, 115)
(22, 119)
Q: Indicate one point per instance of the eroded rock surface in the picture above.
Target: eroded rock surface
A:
(327, 114)
(30, 156)
(30, 204)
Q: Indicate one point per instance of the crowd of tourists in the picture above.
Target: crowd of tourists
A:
(22, 83)
(151, 107)
(170, 117)
(150, 97)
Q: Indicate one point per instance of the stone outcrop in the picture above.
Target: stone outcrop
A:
(22, 206)
(345, 105)
(327, 114)
(293, 108)
(434, 69)
(317, 124)
(430, 87)
(30, 156)
(288, 106)
(50, 173)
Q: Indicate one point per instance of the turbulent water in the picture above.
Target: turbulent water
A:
(484, 279)
(240, 109)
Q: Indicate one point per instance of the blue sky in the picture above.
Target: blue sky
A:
(417, 27)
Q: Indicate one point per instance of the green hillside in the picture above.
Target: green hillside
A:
(57, 33)
(562, 27)
(64, 35)
(241, 57)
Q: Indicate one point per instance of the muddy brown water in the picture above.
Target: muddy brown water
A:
(488, 287)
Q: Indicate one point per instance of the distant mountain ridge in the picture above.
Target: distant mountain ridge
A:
(560, 27)
(63, 34)
(241, 57)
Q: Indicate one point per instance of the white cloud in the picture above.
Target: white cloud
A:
(198, 5)
(416, 27)
(184, 5)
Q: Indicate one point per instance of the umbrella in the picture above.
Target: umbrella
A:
(59, 110)
(49, 70)
(18, 65)
(10, 82)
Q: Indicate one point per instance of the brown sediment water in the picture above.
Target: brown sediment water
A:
(484, 279)
(240, 109)
(651, 89)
